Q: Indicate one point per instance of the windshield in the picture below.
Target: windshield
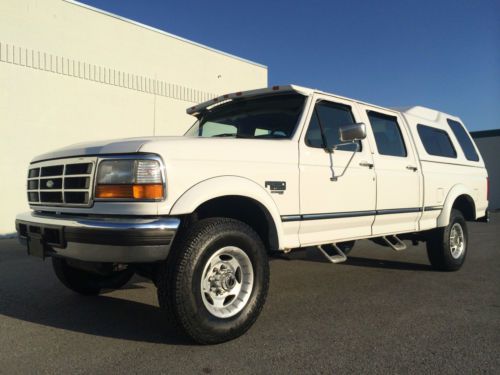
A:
(271, 116)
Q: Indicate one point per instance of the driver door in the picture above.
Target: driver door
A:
(333, 210)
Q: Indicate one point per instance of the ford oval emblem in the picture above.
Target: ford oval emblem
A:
(50, 184)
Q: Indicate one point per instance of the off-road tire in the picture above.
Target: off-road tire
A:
(439, 245)
(88, 283)
(179, 278)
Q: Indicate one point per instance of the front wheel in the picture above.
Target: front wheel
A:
(447, 246)
(214, 284)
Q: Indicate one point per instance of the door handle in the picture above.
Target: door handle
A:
(411, 168)
(366, 164)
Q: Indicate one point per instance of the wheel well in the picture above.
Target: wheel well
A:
(244, 209)
(465, 204)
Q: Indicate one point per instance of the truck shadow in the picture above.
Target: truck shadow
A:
(312, 255)
(102, 315)
(49, 304)
(387, 264)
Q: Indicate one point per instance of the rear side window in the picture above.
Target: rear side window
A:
(464, 140)
(436, 141)
(387, 134)
(331, 117)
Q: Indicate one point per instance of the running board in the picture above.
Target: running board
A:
(339, 257)
(394, 242)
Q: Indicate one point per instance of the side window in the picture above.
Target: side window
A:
(331, 117)
(436, 141)
(464, 140)
(387, 134)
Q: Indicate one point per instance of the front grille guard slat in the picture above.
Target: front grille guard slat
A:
(87, 196)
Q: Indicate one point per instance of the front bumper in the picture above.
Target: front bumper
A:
(97, 239)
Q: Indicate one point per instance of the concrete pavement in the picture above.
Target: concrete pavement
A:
(380, 312)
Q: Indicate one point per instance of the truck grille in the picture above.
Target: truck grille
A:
(64, 182)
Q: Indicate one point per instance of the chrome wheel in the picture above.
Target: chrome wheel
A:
(457, 241)
(227, 282)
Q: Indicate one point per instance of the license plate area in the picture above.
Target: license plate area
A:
(41, 238)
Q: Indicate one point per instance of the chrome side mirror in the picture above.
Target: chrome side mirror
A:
(349, 135)
(352, 133)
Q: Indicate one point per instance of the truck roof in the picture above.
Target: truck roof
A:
(417, 111)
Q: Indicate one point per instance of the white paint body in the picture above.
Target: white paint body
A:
(200, 169)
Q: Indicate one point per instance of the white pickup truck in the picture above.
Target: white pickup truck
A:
(265, 170)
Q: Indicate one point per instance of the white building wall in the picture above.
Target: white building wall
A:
(489, 146)
(70, 73)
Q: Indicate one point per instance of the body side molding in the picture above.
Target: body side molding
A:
(348, 214)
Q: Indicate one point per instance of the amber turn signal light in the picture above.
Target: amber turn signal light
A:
(130, 191)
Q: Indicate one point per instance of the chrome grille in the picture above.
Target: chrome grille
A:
(64, 182)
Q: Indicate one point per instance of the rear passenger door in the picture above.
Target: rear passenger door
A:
(397, 170)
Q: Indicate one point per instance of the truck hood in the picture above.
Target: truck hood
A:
(121, 146)
(178, 148)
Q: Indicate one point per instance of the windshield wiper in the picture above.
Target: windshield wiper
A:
(225, 135)
(233, 135)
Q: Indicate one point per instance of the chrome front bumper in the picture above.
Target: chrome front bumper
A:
(97, 239)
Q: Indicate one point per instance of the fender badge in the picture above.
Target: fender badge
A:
(276, 187)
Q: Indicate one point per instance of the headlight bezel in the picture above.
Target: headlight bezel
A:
(131, 157)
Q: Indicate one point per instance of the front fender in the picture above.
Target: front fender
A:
(223, 186)
(456, 191)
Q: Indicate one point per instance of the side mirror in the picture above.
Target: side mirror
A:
(352, 133)
(348, 135)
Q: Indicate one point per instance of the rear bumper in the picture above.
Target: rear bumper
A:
(97, 239)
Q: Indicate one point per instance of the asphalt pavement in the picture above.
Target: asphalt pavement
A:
(380, 312)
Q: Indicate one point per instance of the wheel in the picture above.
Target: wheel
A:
(89, 283)
(214, 284)
(447, 246)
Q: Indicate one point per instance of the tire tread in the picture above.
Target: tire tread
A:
(184, 257)
(438, 245)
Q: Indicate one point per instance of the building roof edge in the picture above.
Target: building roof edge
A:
(154, 29)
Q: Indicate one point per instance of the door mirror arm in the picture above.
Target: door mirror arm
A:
(335, 178)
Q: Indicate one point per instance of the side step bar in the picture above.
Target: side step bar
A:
(338, 257)
(394, 242)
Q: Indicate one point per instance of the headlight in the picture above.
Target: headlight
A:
(129, 179)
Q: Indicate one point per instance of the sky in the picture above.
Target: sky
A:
(442, 54)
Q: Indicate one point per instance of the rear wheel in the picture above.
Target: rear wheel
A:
(214, 284)
(447, 246)
(86, 282)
